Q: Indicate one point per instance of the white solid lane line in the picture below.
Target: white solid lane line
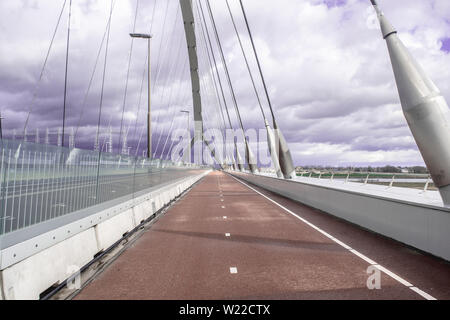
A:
(358, 254)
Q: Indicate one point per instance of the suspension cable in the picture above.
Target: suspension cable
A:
(210, 67)
(65, 76)
(97, 141)
(162, 40)
(183, 98)
(246, 60)
(169, 47)
(43, 68)
(169, 150)
(168, 107)
(205, 81)
(128, 74)
(215, 64)
(216, 68)
(107, 131)
(173, 108)
(140, 98)
(174, 115)
(92, 75)
(171, 89)
(205, 87)
(143, 75)
(236, 108)
(259, 65)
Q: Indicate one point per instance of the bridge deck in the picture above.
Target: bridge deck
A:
(190, 253)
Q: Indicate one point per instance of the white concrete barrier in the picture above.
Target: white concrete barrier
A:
(113, 229)
(30, 277)
(407, 215)
(29, 268)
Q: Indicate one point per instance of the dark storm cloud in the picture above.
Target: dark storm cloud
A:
(326, 66)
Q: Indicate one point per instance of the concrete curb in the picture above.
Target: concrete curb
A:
(42, 264)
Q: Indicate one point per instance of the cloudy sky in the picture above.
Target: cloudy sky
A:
(325, 63)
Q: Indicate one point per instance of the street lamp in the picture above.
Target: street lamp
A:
(188, 151)
(149, 119)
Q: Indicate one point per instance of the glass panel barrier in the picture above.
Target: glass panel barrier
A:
(44, 182)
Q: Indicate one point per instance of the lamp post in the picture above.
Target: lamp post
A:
(188, 151)
(149, 119)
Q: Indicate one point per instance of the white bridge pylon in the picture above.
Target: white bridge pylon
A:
(189, 28)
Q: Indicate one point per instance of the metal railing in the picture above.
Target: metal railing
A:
(43, 182)
(404, 180)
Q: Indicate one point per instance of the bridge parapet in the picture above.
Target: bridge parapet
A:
(60, 207)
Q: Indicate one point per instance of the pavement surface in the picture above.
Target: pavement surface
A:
(224, 240)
